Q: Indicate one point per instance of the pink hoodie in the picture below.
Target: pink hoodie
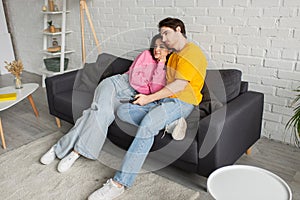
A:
(146, 75)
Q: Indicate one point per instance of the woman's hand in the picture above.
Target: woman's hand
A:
(162, 58)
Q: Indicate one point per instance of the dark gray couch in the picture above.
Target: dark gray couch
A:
(223, 127)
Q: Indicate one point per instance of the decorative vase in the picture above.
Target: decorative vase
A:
(51, 5)
(52, 29)
(44, 8)
(18, 82)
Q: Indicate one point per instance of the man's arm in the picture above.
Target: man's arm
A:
(168, 90)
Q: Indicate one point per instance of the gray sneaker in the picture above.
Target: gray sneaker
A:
(108, 191)
(177, 129)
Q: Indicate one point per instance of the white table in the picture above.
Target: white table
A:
(238, 182)
(22, 93)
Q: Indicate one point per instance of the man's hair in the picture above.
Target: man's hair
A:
(172, 23)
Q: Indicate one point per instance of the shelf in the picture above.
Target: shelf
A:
(67, 51)
(54, 12)
(61, 33)
(56, 33)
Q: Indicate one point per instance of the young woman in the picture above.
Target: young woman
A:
(145, 76)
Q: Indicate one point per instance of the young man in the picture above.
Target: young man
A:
(185, 78)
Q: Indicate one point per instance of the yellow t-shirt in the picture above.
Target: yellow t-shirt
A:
(188, 64)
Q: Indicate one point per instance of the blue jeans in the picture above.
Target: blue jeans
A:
(89, 132)
(150, 118)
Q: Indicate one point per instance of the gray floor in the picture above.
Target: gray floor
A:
(21, 127)
(19, 123)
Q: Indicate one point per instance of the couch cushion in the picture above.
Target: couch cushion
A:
(232, 82)
(88, 78)
(244, 87)
(167, 149)
(117, 65)
(221, 86)
(164, 148)
(209, 106)
(91, 74)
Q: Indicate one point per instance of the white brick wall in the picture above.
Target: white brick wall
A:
(261, 38)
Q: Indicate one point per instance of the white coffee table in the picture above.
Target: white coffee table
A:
(22, 93)
(238, 182)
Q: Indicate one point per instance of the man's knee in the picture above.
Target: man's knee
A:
(146, 132)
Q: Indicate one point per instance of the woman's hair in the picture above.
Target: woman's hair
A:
(173, 23)
(152, 45)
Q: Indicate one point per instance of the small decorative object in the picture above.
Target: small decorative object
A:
(54, 49)
(55, 8)
(18, 82)
(51, 27)
(44, 8)
(54, 42)
(57, 30)
(8, 96)
(16, 68)
(51, 5)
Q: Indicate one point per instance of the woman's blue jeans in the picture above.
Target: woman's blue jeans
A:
(89, 132)
(150, 118)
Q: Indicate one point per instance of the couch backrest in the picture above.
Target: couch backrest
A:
(222, 84)
(106, 65)
(114, 65)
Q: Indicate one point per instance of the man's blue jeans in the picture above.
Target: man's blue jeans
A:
(150, 118)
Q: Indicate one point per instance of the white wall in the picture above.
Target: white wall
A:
(3, 26)
(6, 48)
(261, 38)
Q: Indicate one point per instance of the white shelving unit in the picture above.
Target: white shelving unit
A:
(48, 15)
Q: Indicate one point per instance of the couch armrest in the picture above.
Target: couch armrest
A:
(61, 83)
(58, 84)
(222, 140)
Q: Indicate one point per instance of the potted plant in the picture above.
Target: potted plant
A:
(51, 27)
(16, 68)
(294, 122)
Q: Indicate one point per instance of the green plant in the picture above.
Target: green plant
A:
(50, 23)
(294, 122)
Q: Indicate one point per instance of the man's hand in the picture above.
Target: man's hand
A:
(142, 99)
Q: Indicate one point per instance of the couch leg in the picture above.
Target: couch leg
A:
(248, 152)
(57, 122)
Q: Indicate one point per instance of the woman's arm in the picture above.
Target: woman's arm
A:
(158, 78)
(140, 72)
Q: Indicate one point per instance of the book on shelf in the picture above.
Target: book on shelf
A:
(8, 96)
